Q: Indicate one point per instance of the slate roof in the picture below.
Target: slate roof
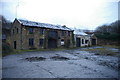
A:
(44, 25)
(79, 32)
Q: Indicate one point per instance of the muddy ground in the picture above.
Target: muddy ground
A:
(75, 63)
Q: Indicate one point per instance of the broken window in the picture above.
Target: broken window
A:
(31, 41)
(41, 41)
(30, 30)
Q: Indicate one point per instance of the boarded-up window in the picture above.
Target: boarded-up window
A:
(41, 41)
(31, 41)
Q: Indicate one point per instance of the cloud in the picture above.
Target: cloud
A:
(74, 13)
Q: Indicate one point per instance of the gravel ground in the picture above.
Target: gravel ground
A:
(60, 64)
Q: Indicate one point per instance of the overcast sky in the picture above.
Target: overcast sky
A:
(83, 14)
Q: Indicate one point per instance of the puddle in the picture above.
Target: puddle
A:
(59, 58)
(35, 59)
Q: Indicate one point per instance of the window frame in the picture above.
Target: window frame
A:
(68, 33)
(62, 33)
(17, 30)
(13, 31)
(86, 41)
(41, 42)
(30, 30)
(82, 41)
(31, 41)
(41, 31)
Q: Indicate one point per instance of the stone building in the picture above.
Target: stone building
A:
(34, 35)
(83, 39)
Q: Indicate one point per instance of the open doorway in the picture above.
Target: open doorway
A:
(52, 39)
(14, 44)
(78, 42)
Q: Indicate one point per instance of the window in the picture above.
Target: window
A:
(53, 34)
(31, 42)
(62, 33)
(30, 30)
(68, 33)
(62, 42)
(3, 37)
(41, 31)
(13, 31)
(17, 30)
(82, 41)
(41, 42)
(86, 41)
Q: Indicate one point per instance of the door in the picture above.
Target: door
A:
(93, 41)
(52, 43)
(78, 42)
(52, 39)
(14, 44)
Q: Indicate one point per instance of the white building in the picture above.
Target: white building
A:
(83, 39)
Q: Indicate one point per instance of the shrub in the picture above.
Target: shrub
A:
(108, 36)
(6, 49)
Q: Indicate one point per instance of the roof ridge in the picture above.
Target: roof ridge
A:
(39, 24)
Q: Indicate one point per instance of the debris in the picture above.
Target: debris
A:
(35, 59)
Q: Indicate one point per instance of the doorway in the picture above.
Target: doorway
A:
(14, 44)
(93, 41)
(52, 43)
(52, 39)
(78, 42)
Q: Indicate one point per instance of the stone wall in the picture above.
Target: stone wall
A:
(16, 36)
(22, 37)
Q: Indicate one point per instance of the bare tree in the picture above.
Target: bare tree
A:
(111, 28)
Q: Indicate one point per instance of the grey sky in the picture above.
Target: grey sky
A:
(83, 14)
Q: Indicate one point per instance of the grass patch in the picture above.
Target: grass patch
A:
(55, 49)
(112, 46)
(101, 51)
(52, 49)
(10, 53)
(14, 51)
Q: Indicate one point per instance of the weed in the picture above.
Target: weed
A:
(101, 51)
